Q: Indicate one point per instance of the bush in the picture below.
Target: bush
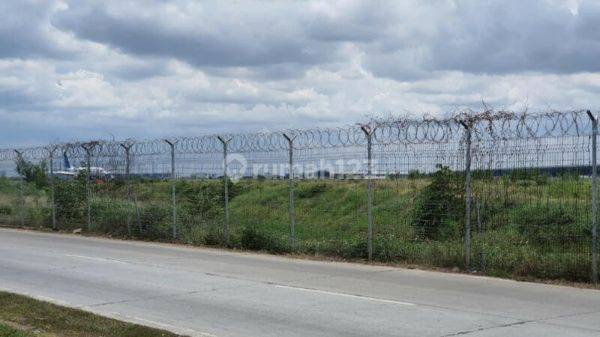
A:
(215, 237)
(347, 248)
(310, 190)
(5, 210)
(524, 177)
(482, 175)
(110, 215)
(254, 239)
(439, 206)
(155, 221)
(32, 173)
(394, 176)
(70, 201)
(546, 224)
(204, 199)
(388, 248)
(415, 174)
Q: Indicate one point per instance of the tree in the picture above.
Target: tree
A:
(32, 173)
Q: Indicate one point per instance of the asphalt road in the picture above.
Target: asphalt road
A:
(210, 292)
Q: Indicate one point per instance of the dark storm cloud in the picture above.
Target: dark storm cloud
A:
(520, 36)
(356, 22)
(491, 37)
(399, 40)
(24, 30)
(227, 44)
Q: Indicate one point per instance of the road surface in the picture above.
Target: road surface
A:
(210, 292)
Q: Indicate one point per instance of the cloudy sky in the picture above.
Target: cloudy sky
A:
(102, 69)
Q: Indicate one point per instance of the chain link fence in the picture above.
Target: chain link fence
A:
(498, 192)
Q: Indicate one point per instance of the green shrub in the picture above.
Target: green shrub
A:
(215, 237)
(435, 253)
(110, 215)
(525, 261)
(482, 175)
(114, 186)
(439, 205)
(70, 199)
(310, 189)
(5, 210)
(388, 248)
(155, 221)
(348, 248)
(38, 216)
(396, 176)
(416, 174)
(7, 185)
(254, 239)
(32, 173)
(527, 177)
(547, 224)
(202, 199)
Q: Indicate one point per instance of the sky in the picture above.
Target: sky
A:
(80, 70)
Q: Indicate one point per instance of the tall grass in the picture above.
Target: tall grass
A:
(530, 227)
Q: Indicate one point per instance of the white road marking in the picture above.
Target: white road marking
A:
(368, 298)
(95, 258)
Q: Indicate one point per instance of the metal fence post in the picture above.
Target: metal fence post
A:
(53, 187)
(290, 141)
(369, 134)
(21, 197)
(88, 148)
(468, 196)
(594, 199)
(225, 142)
(172, 144)
(127, 147)
(480, 236)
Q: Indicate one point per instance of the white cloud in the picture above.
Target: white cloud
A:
(84, 89)
(151, 68)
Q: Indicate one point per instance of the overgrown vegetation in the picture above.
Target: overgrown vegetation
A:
(32, 173)
(439, 208)
(549, 224)
(70, 201)
(532, 224)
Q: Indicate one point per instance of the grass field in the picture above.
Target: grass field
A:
(22, 316)
(529, 226)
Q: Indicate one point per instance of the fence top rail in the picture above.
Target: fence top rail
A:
(486, 125)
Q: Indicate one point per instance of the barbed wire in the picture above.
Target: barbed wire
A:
(487, 125)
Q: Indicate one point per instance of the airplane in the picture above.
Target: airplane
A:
(71, 171)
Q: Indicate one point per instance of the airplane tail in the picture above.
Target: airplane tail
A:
(66, 161)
